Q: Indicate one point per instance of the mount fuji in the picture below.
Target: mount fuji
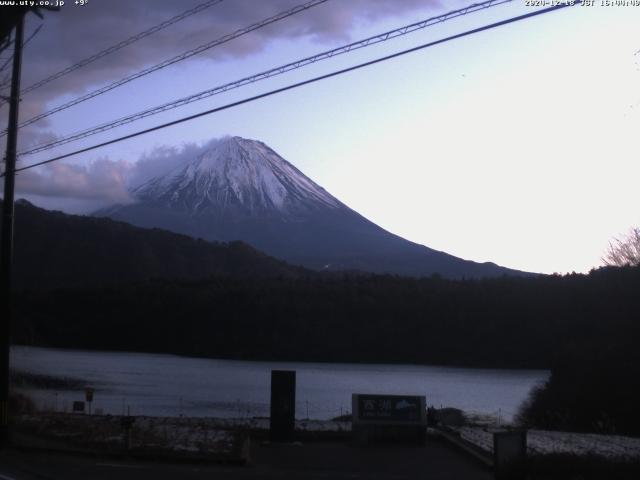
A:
(241, 189)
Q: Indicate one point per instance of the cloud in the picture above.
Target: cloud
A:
(76, 33)
(162, 160)
(103, 180)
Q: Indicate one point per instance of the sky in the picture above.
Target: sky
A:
(514, 145)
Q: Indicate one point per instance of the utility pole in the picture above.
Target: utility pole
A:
(6, 252)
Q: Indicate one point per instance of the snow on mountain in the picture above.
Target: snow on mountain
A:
(236, 172)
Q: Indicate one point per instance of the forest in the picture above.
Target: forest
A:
(583, 327)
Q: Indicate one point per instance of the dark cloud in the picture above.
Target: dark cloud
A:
(75, 33)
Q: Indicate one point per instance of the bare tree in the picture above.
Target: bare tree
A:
(624, 250)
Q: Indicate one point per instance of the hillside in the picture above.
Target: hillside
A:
(53, 249)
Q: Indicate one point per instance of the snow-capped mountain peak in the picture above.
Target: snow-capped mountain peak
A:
(236, 173)
(239, 189)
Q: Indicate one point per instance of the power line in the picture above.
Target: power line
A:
(8, 42)
(24, 44)
(382, 37)
(6, 82)
(302, 83)
(177, 58)
(118, 46)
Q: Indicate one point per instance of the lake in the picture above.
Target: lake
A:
(170, 385)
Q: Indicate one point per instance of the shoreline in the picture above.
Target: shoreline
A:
(390, 363)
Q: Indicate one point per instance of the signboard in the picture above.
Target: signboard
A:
(389, 418)
(405, 409)
(88, 395)
(78, 407)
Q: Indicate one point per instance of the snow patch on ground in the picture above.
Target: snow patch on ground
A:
(543, 442)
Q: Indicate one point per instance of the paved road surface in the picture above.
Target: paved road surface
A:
(313, 461)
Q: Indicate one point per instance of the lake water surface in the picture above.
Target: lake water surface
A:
(169, 385)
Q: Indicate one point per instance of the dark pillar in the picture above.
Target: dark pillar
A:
(510, 455)
(283, 405)
(6, 250)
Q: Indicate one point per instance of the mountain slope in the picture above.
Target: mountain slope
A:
(242, 190)
(53, 249)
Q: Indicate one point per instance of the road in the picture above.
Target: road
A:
(313, 461)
